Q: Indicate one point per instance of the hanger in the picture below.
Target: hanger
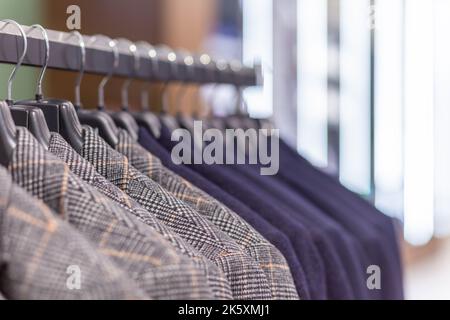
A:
(214, 70)
(146, 118)
(168, 120)
(213, 121)
(205, 76)
(60, 115)
(189, 74)
(165, 117)
(210, 77)
(241, 118)
(98, 119)
(8, 138)
(124, 119)
(32, 117)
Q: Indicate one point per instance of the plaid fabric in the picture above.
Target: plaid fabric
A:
(146, 256)
(37, 249)
(247, 279)
(271, 261)
(82, 168)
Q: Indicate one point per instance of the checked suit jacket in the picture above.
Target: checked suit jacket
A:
(144, 254)
(37, 248)
(246, 278)
(270, 260)
(83, 169)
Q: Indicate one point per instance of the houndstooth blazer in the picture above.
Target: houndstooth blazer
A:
(145, 255)
(271, 261)
(83, 169)
(38, 250)
(247, 279)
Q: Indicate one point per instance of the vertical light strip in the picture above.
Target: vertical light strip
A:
(258, 44)
(355, 95)
(419, 121)
(442, 118)
(389, 106)
(312, 80)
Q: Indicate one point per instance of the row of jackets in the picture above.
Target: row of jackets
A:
(125, 222)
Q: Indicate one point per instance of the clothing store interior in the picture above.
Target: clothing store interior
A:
(225, 149)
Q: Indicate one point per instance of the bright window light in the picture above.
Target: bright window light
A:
(355, 95)
(258, 47)
(389, 106)
(312, 80)
(442, 118)
(419, 121)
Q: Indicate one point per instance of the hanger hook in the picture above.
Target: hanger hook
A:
(188, 61)
(22, 56)
(165, 97)
(115, 51)
(210, 94)
(82, 66)
(39, 94)
(181, 94)
(241, 107)
(171, 57)
(136, 65)
(152, 54)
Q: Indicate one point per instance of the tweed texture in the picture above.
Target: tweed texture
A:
(146, 256)
(37, 248)
(271, 261)
(247, 279)
(83, 169)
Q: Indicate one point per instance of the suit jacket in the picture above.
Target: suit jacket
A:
(37, 249)
(302, 240)
(344, 258)
(247, 279)
(145, 255)
(372, 228)
(82, 168)
(269, 231)
(265, 254)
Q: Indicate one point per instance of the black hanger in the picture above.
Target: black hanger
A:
(189, 73)
(60, 115)
(95, 118)
(213, 70)
(170, 57)
(31, 117)
(217, 73)
(8, 139)
(124, 119)
(149, 121)
(211, 75)
(241, 118)
(167, 120)
(146, 118)
(102, 121)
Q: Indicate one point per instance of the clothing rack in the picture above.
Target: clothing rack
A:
(164, 65)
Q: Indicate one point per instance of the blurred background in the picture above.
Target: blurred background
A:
(359, 87)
